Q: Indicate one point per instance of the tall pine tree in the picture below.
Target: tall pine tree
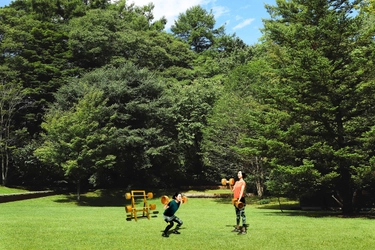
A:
(323, 55)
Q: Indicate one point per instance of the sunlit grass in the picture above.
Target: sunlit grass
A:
(7, 190)
(99, 222)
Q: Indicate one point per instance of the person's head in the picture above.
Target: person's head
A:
(241, 174)
(177, 196)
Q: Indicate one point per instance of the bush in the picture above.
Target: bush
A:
(263, 201)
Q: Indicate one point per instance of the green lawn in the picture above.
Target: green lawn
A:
(57, 222)
(6, 190)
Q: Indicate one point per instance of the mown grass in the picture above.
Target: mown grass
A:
(99, 222)
(7, 190)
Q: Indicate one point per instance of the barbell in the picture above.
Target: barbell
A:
(165, 199)
(224, 182)
(128, 196)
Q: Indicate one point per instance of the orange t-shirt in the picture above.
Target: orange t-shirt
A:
(237, 189)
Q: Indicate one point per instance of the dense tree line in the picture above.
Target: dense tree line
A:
(95, 93)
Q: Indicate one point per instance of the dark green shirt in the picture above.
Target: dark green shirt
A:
(173, 206)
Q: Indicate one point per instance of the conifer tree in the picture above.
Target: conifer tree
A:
(322, 55)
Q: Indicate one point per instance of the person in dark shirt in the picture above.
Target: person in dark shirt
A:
(169, 214)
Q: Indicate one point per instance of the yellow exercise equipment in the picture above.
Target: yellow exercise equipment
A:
(132, 208)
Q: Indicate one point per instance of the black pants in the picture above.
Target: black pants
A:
(240, 213)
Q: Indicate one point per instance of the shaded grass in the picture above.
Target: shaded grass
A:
(103, 197)
(56, 222)
(214, 191)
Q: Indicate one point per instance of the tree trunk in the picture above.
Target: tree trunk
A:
(2, 154)
(78, 190)
(346, 192)
(347, 208)
(11, 98)
(260, 177)
(4, 165)
(259, 189)
(3, 177)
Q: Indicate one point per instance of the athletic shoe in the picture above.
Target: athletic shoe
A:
(176, 232)
(242, 232)
(165, 235)
(235, 230)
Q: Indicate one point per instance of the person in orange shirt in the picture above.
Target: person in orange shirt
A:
(239, 193)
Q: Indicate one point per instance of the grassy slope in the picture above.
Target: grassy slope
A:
(6, 190)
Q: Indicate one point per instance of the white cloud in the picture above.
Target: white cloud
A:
(243, 24)
(170, 9)
(219, 11)
(246, 6)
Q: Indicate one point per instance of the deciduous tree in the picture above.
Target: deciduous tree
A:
(11, 100)
(77, 139)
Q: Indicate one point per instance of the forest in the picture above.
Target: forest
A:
(96, 94)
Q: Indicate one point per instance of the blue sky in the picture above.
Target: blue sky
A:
(243, 17)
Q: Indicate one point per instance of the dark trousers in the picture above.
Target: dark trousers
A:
(240, 213)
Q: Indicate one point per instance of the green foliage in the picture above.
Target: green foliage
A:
(364, 174)
(291, 181)
(29, 168)
(236, 135)
(93, 38)
(77, 139)
(47, 42)
(222, 134)
(263, 201)
(12, 98)
(296, 110)
(321, 80)
(144, 133)
(124, 34)
(36, 56)
(192, 103)
(196, 27)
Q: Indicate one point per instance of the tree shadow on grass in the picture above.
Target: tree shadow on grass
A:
(109, 198)
(224, 200)
(321, 214)
(293, 209)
